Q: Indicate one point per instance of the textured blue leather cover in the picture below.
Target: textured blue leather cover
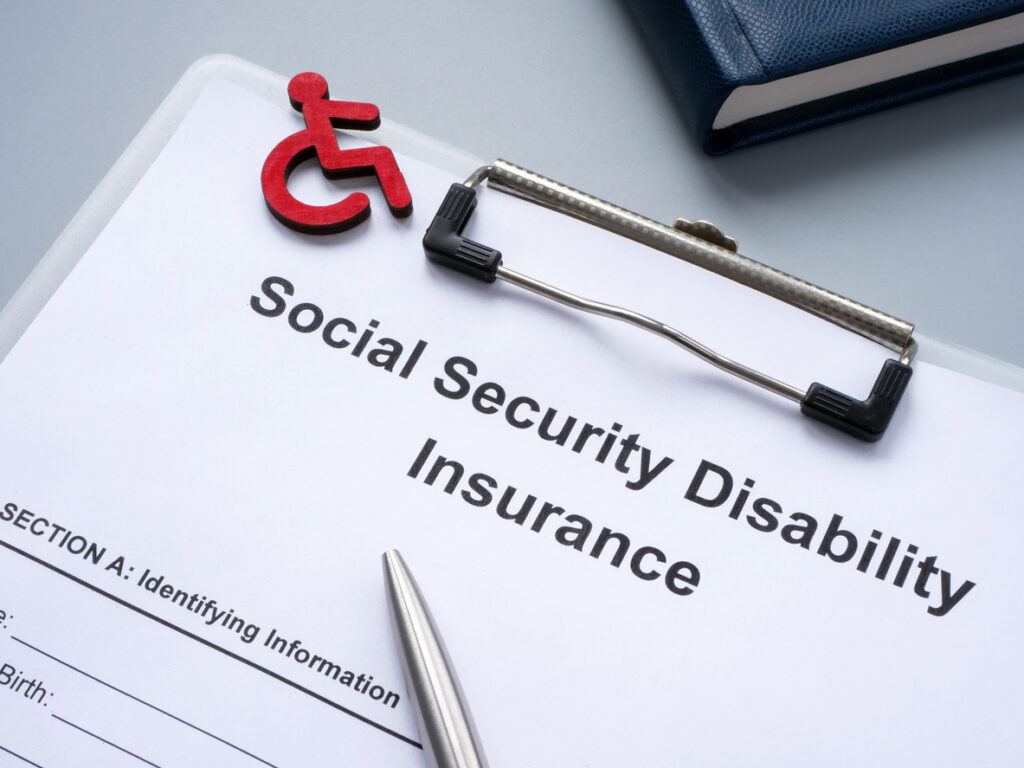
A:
(707, 48)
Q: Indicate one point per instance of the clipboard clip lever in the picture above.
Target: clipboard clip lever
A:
(865, 419)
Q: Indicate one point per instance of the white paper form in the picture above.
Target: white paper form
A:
(635, 559)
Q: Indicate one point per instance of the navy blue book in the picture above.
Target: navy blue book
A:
(746, 71)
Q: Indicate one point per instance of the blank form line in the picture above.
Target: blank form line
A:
(23, 759)
(141, 701)
(100, 738)
(230, 654)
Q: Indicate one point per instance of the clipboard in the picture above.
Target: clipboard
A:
(118, 183)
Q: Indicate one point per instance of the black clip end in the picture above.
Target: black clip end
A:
(445, 245)
(864, 419)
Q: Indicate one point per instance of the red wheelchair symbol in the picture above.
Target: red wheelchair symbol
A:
(308, 95)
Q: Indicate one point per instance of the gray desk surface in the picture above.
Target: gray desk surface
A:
(918, 211)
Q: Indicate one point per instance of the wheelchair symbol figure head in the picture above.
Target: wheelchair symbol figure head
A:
(309, 86)
(308, 94)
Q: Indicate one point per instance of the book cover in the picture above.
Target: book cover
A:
(746, 71)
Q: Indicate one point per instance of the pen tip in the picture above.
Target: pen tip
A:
(395, 570)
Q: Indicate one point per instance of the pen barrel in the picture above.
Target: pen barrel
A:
(888, 331)
(446, 727)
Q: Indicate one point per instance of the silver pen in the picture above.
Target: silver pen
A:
(449, 737)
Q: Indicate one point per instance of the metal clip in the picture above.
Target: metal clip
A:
(699, 243)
